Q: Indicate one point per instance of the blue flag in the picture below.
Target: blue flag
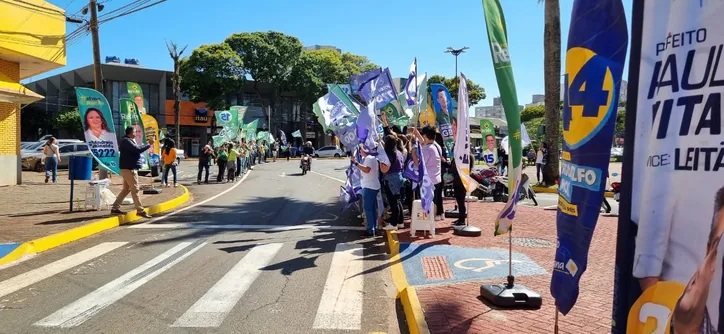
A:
(381, 89)
(356, 81)
(595, 57)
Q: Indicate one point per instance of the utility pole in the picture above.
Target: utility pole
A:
(97, 74)
(456, 53)
(175, 54)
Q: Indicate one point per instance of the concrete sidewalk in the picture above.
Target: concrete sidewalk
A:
(36, 210)
(447, 271)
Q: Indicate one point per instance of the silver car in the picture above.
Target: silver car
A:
(32, 160)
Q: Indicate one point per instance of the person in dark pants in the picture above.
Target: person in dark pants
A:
(207, 155)
(460, 192)
(221, 160)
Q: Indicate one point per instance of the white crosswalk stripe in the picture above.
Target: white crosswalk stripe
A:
(215, 305)
(339, 308)
(36, 275)
(341, 304)
(84, 308)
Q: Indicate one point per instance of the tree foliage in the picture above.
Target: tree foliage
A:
(210, 73)
(532, 112)
(475, 91)
(69, 120)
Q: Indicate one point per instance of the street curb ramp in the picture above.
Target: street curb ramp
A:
(32, 247)
(405, 292)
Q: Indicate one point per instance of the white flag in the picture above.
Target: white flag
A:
(462, 138)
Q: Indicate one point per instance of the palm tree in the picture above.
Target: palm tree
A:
(175, 54)
(552, 72)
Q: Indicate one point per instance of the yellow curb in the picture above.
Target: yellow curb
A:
(408, 296)
(545, 190)
(54, 240)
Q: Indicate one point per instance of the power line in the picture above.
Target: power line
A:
(129, 6)
(132, 11)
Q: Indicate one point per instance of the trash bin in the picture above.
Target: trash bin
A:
(80, 168)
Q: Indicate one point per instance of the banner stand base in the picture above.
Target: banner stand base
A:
(467, 231)
(510, 295)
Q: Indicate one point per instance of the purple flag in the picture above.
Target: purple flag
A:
(367, 128)
(357, 81)
(350, 193)
(414, 174)
(427, 189)
(381, 89)
(411, 86)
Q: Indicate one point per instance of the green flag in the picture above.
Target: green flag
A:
(250, 130)
(498, 37)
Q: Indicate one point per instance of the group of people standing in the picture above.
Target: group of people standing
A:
(234, 159)
(385, 175)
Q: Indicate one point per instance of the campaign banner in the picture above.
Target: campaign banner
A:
(380, 88)
(490, 150)
(135, 93)
(596, 53)
(131, 117)
(346, 88)
(227, 118)
(462, 138)
(444, 115)
(152, 135)
(95, 114)
(250, 130)
(357, 81)
(498, 39)
(676, 161)
(297, 134)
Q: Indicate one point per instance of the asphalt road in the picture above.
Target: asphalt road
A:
(269, 254)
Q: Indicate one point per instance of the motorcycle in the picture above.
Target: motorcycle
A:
(490, 184)
(616, 189)
(305, 164)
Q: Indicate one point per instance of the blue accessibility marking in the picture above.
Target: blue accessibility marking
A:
(465, 264)
(5, 249)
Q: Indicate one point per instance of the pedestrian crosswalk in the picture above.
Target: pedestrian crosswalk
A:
(340, 306)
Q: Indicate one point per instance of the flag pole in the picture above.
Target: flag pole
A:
(417, 95)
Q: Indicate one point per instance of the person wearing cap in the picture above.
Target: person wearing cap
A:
(129, 162)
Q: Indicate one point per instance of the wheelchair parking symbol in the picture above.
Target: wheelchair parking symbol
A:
(482, 264)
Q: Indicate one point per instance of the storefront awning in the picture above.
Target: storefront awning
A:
(16, 93)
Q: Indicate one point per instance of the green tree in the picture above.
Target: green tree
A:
(355, 64)
(69, 120)
(475, 91)
(620, 122)
(210, 73)
(269, 57)
(532, 112)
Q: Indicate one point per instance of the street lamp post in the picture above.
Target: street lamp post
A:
(456, 53)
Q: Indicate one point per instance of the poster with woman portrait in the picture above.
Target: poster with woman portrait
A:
(97, 120)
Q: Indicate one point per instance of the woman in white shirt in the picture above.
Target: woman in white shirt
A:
(51, 158)
(370, 183)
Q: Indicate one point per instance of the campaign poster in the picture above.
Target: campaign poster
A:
(131, 117)
(135, 93)
(240, 113)
(444, 115)
(677, 181)
(490, 146)
(427, 114)
(95, 114)
(152, 138)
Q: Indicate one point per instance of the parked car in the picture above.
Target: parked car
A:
(38, 146)
(32, 160)
(328, 152)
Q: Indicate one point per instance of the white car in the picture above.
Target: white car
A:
(329, 152)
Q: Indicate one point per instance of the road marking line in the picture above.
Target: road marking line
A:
(84, 308)
(215, 305)
(197, 204)
(327, 176)
(341, 303)
(36, 275)
(247, 227)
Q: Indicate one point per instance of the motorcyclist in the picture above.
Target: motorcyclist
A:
(307, 151)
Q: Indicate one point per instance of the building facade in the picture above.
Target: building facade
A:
(322, 47)
(32, 42)
(197, 122)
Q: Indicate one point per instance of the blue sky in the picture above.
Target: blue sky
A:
(389, 32)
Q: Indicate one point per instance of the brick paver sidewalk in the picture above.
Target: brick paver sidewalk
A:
(458, 308)
(36, 209)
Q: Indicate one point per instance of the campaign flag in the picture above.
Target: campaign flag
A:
(334, 109)
(283, 137)
(462, 138)
(356, 81)
(250, 130)
(135, 93)
(347, 135)
(131, 117)
(498, 37)
(97, 120)
(153, 136)
(597, 42)
(490, 151)
(297, 134)
(218, 140)
(411, 85)
(227, 118)
(367, 128)
(427, 188)
(240, 113)
(345, 87)
(352, 191)
(444, 115)
(381, 88)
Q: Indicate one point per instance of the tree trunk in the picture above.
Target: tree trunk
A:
(176, 101)
(552, 64)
